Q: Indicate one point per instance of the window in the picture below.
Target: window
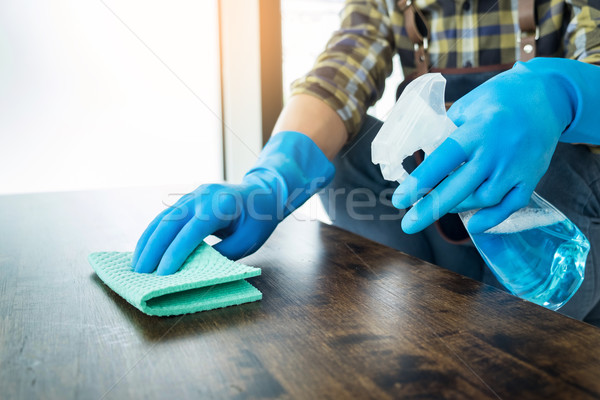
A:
(301, 46)
(108, 93)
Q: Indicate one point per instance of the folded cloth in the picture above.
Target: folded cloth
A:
(207, 280)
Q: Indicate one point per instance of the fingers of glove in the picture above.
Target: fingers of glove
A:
(152, 226)
(186, 241)
(163, 235)
(470, 203)
(490, 193)
(489, 217)
(426, 176)
(146, 235)
(447, 195)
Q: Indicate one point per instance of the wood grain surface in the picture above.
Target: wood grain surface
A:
(341, 317)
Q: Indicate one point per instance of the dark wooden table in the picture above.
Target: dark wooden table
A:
(341, 317)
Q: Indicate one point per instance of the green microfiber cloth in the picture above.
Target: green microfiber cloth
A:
(207, 280)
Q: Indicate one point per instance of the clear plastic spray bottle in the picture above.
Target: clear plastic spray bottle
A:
(537, 253)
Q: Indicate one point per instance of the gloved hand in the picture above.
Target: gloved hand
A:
(508, 129)
(289, 170)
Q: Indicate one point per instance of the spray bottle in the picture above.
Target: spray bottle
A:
(537, 253)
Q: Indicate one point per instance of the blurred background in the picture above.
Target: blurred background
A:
(106, 93)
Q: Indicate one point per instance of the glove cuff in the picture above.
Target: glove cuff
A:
(294, 166)
(580, 82)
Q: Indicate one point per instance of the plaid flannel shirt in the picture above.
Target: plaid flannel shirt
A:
(350, 74)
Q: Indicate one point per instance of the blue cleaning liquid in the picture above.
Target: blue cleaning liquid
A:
(536, 255)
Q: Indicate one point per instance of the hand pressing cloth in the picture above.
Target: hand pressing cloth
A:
(206, 281)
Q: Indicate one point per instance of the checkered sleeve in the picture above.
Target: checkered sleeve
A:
(582, 36)
(349, 75)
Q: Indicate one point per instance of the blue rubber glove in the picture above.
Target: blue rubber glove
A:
(508, 129)
(289, 170)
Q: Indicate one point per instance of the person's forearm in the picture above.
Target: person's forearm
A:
(314, 118)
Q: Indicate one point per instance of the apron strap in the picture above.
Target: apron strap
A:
(529, 32)
(414, 30)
